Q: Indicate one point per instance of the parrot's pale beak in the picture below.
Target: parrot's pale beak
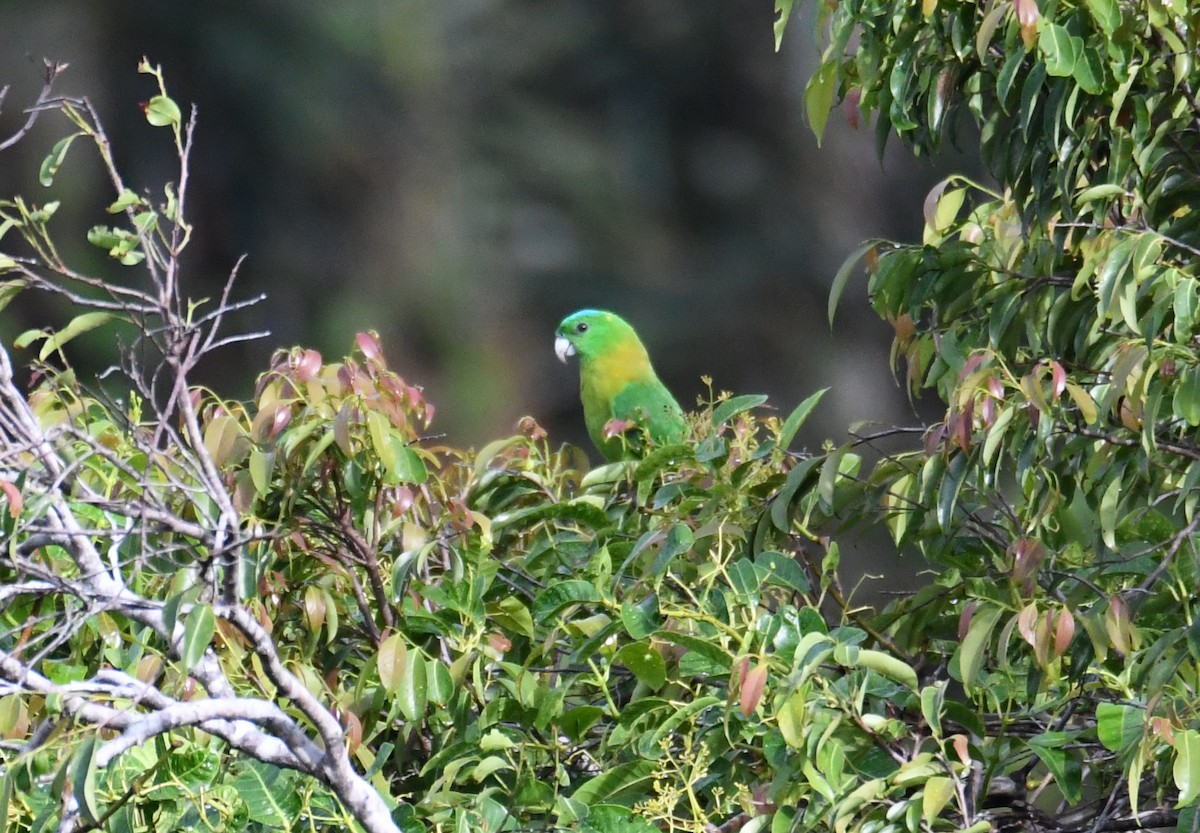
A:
(563, 348)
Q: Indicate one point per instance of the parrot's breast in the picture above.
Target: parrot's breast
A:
(604, 376)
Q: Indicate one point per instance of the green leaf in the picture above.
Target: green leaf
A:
(1119, 726)
(1186, 402)
(269, 793)
(553, 599)
(575, 722)
(1060, 49)
(971, 652)
(781, 504)
(1089, 72)
(818, 97)
(714, 654)
(649, 745)
(82, 773)
(743, 578)
(732, 407)
(261, 465)
(938, 792)
(391, 662)
(678, 541)
(406, 464)
(631, 779)
(1186, 770)
(198, 630)
(645, 663)
(58, 153)
(842, 277)
(488, 766)
(783, 11)
(78, 325)
(887, 665)
(1063, 765)
(782, 569)
(798, 417)
(510, 614)
(413, 694)
(162, 111)
(1108, 511)
(126, 200)
(1106, 13)
(641, 619)
(11, 288)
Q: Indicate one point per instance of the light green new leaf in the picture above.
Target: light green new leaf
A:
(198, 630)
(818, 97)
(78, 325)
(783, 11)
(1118, 726)
(938, 792)
(1060, 49)
(162, 111)
(1187, 766)
(53, 162)
(971, 652)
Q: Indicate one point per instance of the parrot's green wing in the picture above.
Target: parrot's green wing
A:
(650, 405)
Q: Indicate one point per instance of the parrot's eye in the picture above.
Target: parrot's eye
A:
(582, 327)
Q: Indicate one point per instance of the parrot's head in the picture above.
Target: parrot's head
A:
(589, 333)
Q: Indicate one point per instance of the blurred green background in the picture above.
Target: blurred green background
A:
(460, 174)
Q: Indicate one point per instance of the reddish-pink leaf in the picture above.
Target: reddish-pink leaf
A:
(987, 411)
(314, 607)
(1027, 622)
(13, 495)
(971, 365)
(931, 201)
(753, 683)
(354, 730)
(962, 748)
(1064, 631)
(307, 365)
(964, 619)
(283, 416)
(850, 103)
(617, 427)
(1059, 377)
(1027, 15)
(402, 502)
(368, 344)
(1027, 555)
(1116, 624)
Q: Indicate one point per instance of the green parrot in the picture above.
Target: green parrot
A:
(619, 388)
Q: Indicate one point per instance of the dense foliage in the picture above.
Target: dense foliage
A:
(305, 610)
(1055, 315)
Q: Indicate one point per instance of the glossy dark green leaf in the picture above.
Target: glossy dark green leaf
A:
(678, 541)
(629, 779)
(782, 569)
(645, 663)
(641, 619)
(553, 599)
